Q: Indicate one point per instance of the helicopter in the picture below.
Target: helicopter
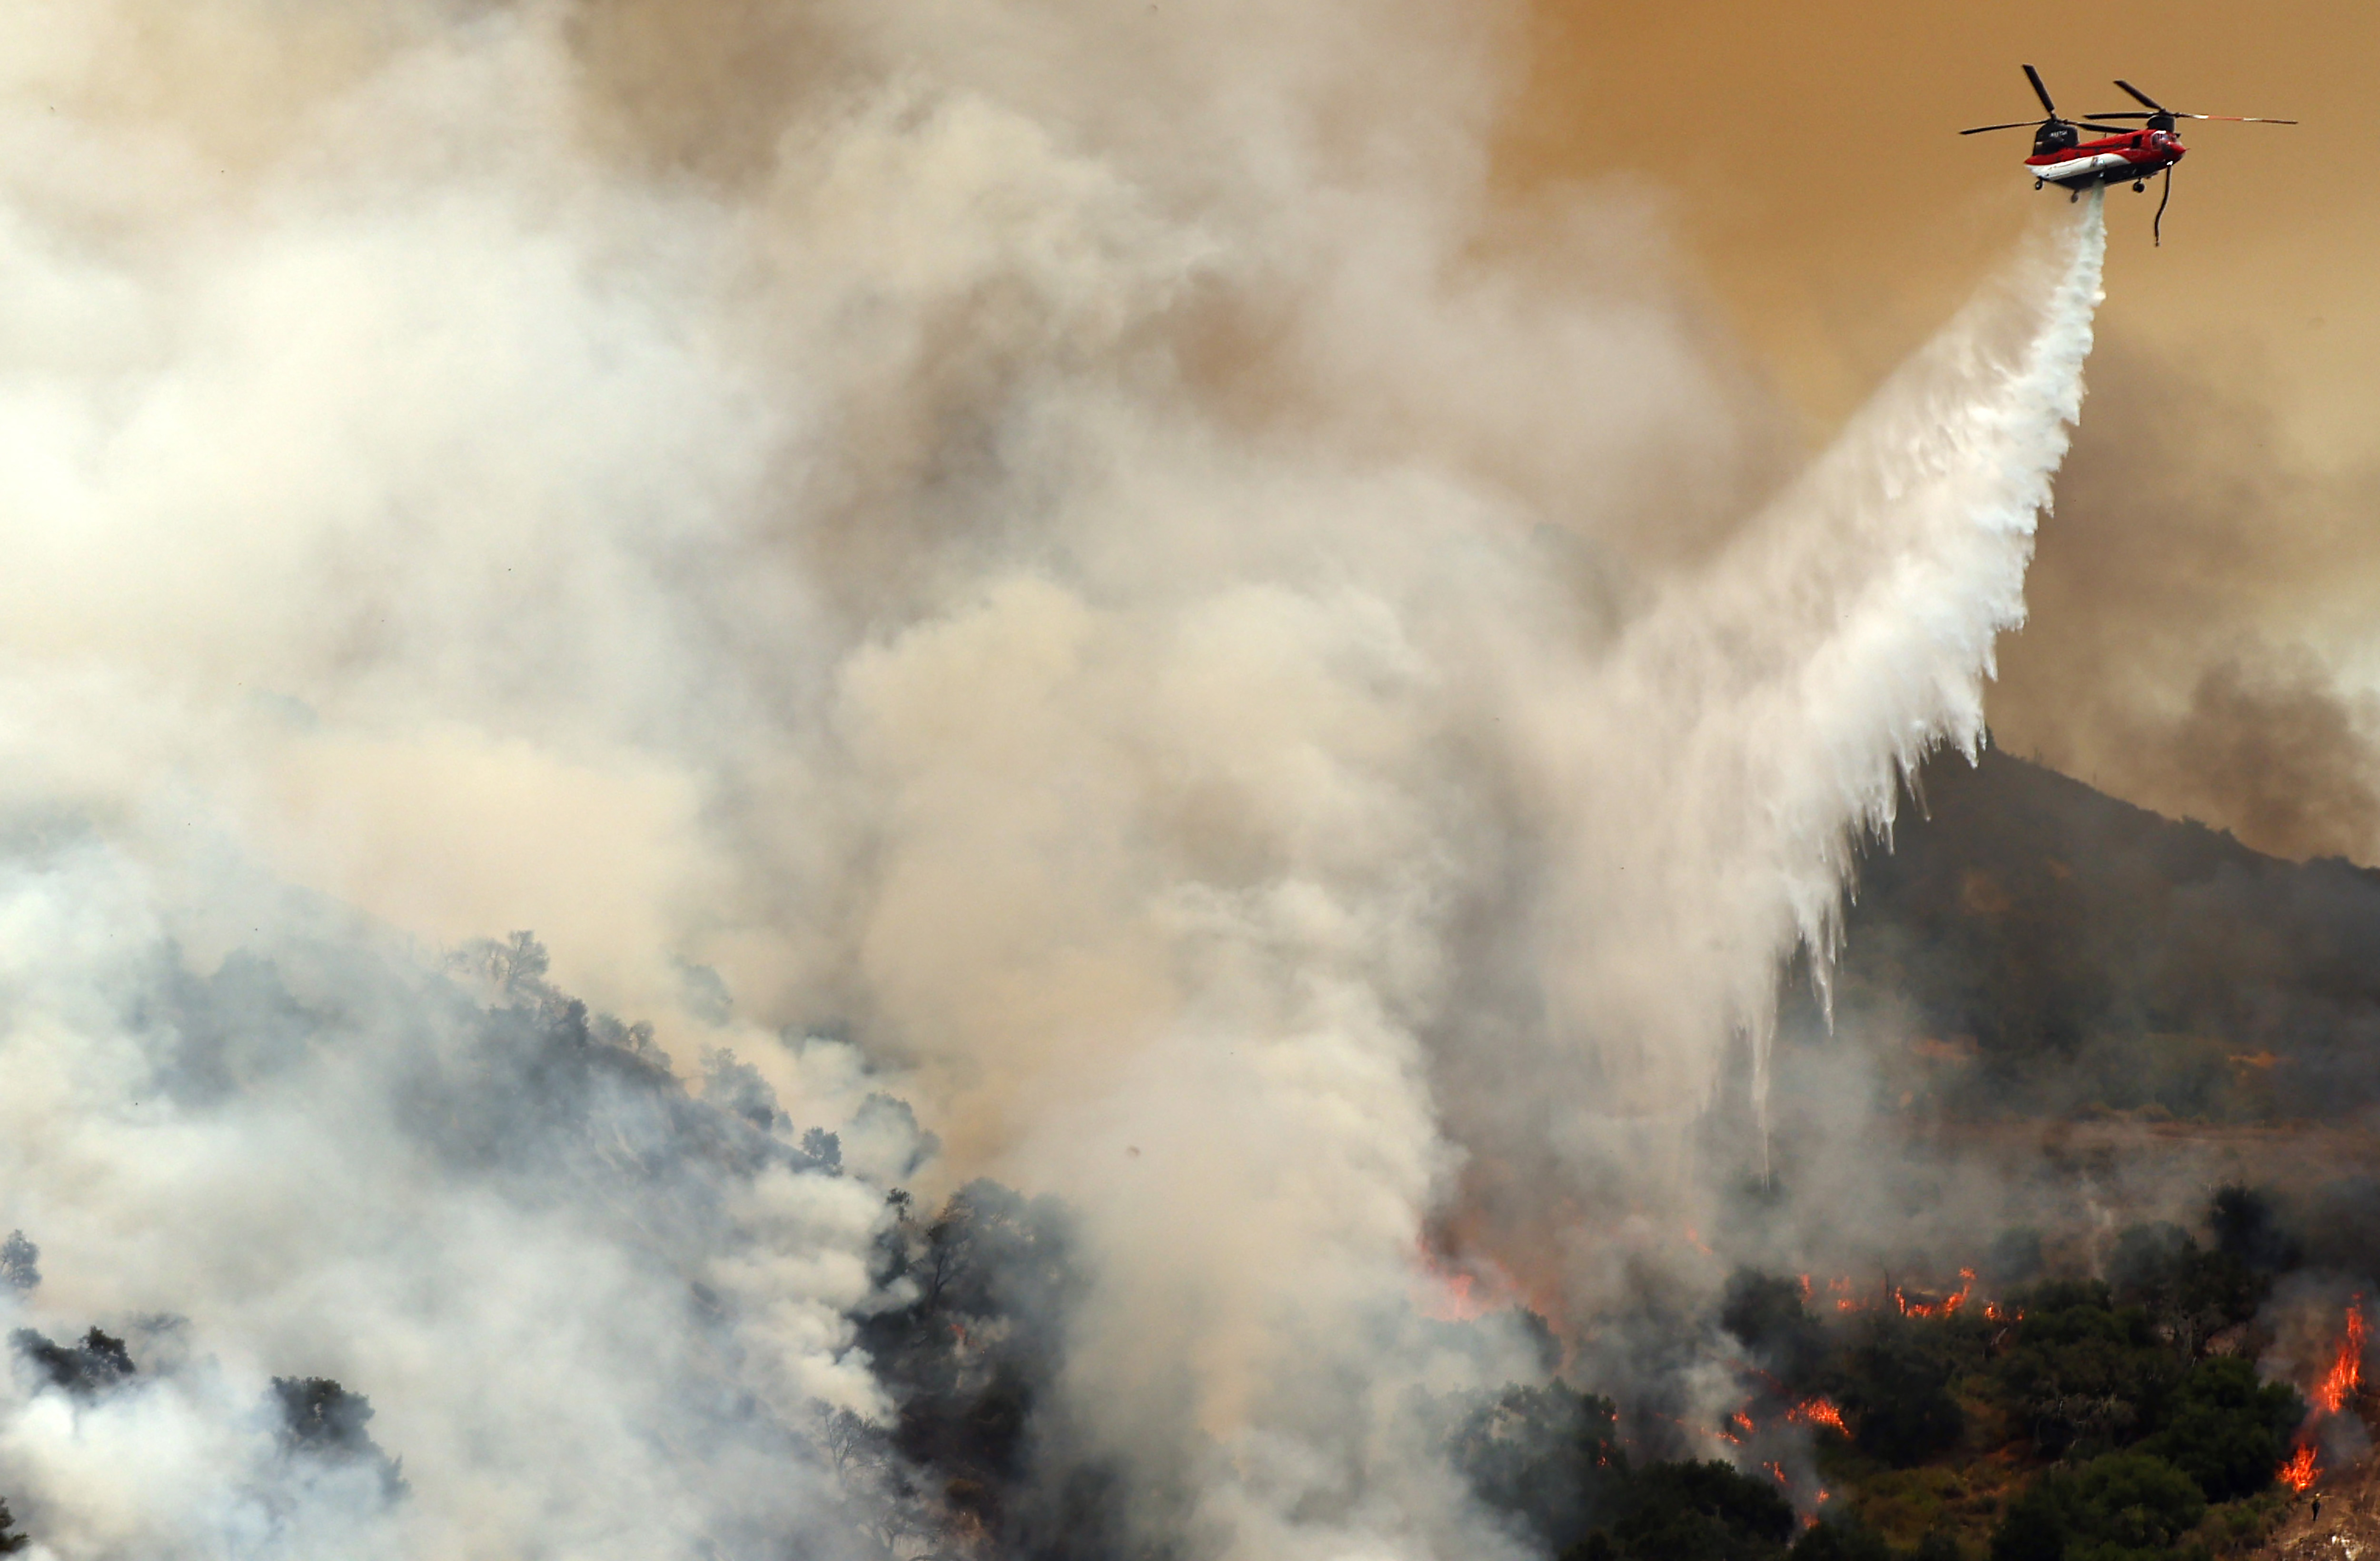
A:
(2123, 154)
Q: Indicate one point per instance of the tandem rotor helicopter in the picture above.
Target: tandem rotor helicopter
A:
(2062, 157)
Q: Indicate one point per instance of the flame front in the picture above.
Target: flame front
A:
(1817, 1411)
(2299, 1473)
(1947, 1307)
(2346, 1373)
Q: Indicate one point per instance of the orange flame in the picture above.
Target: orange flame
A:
(1817, 1411)
(2298, 1473)
(1779, 1471)
(1947, 1307)
(1446, 1289)
(2346, 1373)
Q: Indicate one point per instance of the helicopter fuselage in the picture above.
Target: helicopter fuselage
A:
(2126, 159)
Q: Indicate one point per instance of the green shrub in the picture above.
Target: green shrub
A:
(2084, 1376)
(1895, 1381)
(1939, 1544)
(2124, 1507)
(1766, 1312)
(1841, 1541)
(2227, 1430)
(1701, 1512)
(1548, 1456)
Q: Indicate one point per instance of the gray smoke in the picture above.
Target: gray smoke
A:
(1065, 565)
(2201, 607)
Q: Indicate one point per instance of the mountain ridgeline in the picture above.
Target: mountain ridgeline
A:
(2055, 951)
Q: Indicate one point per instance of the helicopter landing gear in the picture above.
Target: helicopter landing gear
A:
(2140, 186)
(2036, 183)
(2073, 194)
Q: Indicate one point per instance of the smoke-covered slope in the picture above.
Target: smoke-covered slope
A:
(1081, 552)
(2059, 948)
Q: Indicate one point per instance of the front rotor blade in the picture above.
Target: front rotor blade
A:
(2128, 114)
(2020, 124)
(2042, 92)
(2108, 129)
(2236, 118)
(2139, 96)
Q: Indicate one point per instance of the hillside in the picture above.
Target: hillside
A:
(2103, 1016)
(2060, 951)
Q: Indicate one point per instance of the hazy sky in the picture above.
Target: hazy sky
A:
(2202, 634)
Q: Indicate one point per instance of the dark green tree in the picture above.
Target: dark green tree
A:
(85, 1370)
(1895, 1382)
(2124, 1507)
(322, 1419)
(2187, 1293)
(1766, 1312)
(1849, 1540)
(2033, 1528)
(2085, 1376)
(2227, 1430)
(11, 1542)
(2247, 1225)
(1939, 1544)
(1701, 1512)
(1548, 1456)
(2130, 1506)
(21, 1263)
(968, 1363)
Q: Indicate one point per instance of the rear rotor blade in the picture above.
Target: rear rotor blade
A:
(2020, 124)
(2140, 97)
(2110, 130)
(2042, 92)
(2126, 113)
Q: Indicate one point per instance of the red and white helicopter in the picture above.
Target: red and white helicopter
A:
(2061, 155)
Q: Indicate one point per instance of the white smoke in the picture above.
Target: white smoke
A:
(1077, 548)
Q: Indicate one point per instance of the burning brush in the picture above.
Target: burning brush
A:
(2338, 1392)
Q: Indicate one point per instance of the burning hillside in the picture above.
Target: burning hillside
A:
(2342, 1385)
(1163, 760)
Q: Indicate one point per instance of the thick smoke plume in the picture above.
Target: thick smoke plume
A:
(1064, 564)
(2200, 608)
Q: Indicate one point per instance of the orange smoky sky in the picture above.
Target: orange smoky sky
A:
(2204, 602)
